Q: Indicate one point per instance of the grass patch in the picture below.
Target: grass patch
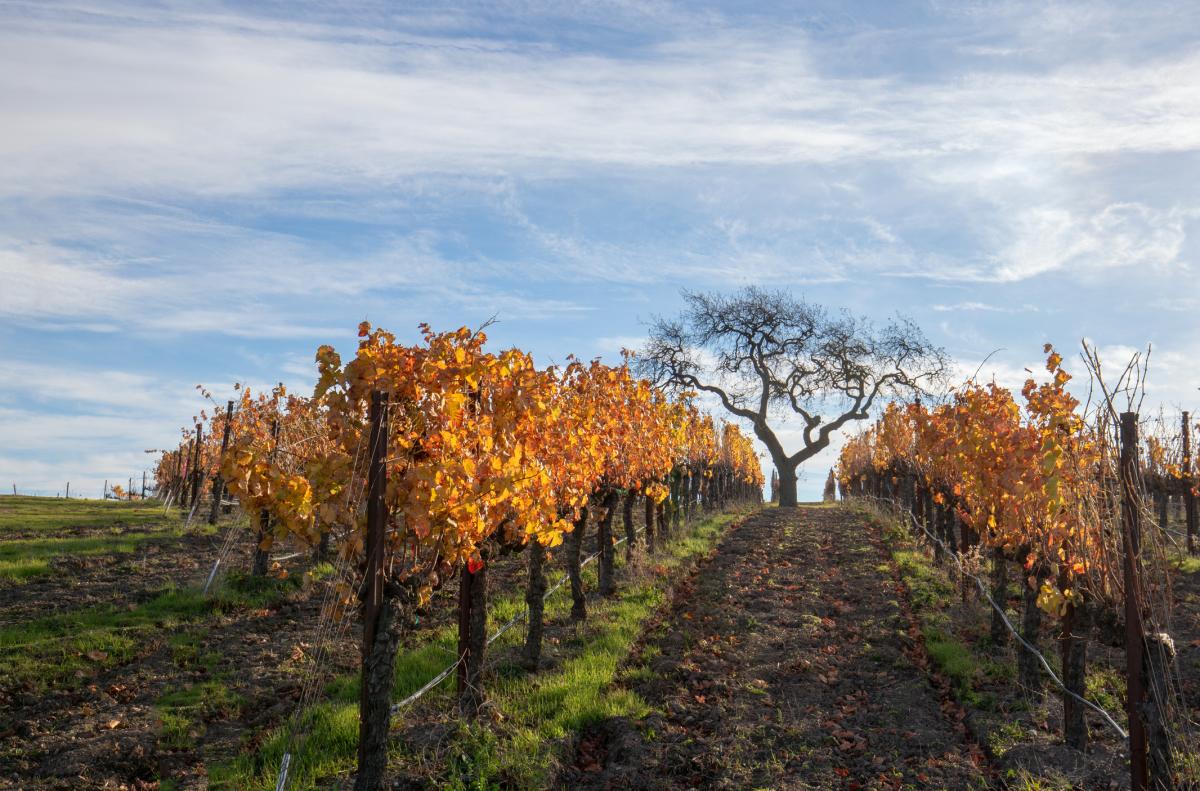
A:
(1185, 563)
(1023, 780)
(59, 650)
(534, 713)
(24, 559)
(22, 513)
(45, 527)
(1105, 686)
(182, 714)
(931, 593)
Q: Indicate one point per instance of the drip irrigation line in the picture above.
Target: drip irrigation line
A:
(1004, 617)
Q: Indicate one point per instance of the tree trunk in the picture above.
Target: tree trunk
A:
(378, 671)
(1029, 672)
(627, 520)
(218, 491)
(650, 524)
(935, 529)
(964, 543)
(787, 483)
(574, 546)
(1157, 673)
(1000, 596)
(261, 556)
(1073, 648)
(535, 601)
(472, 636)
(605, 541)
(946, 517)
(321, 553)
(676, 500)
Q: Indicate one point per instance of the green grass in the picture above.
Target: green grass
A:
(931, 593)
(535, 713)
(49, 521)
(51, 513)
(59, 650)
(1023, 780)
(26, 558)
(1187, 564)
(182, 713)
(1105, 686)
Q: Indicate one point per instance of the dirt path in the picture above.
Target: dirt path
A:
(785, 664)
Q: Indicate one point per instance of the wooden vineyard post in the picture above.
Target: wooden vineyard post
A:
(372, 590)
(1133, 614)
(130, 490)
(1189, 483)
(143, 484)
(196, 475)
(218, 481)
(68, 490)
(175, 479)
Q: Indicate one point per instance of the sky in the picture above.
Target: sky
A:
(202, 192)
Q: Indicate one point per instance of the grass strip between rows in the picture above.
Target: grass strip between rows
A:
(530, 715)
(37, 514)
(59, 651)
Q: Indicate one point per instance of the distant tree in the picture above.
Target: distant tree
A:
(757, 350)
(830, 493)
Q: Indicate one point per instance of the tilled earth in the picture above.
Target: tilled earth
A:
(80, 581)
(786, 663)
(104, 730)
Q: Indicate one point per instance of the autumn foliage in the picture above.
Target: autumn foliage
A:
(1021, 474)
(482, 444)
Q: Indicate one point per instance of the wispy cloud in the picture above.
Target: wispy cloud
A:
(243, 177)
(985, 308)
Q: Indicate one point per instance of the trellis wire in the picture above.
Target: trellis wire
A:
(442, 676)
(1007, 623)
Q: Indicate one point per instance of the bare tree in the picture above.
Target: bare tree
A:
(761, 351)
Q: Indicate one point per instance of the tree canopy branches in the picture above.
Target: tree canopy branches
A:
(758, 350)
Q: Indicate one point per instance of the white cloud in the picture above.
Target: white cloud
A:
(226, 106)
(984, 308)
(611, 345)
(1119, 235)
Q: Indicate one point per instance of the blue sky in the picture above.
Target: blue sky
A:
(204, 192)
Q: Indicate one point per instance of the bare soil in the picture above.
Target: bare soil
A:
(105, 730)
(786, 663)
